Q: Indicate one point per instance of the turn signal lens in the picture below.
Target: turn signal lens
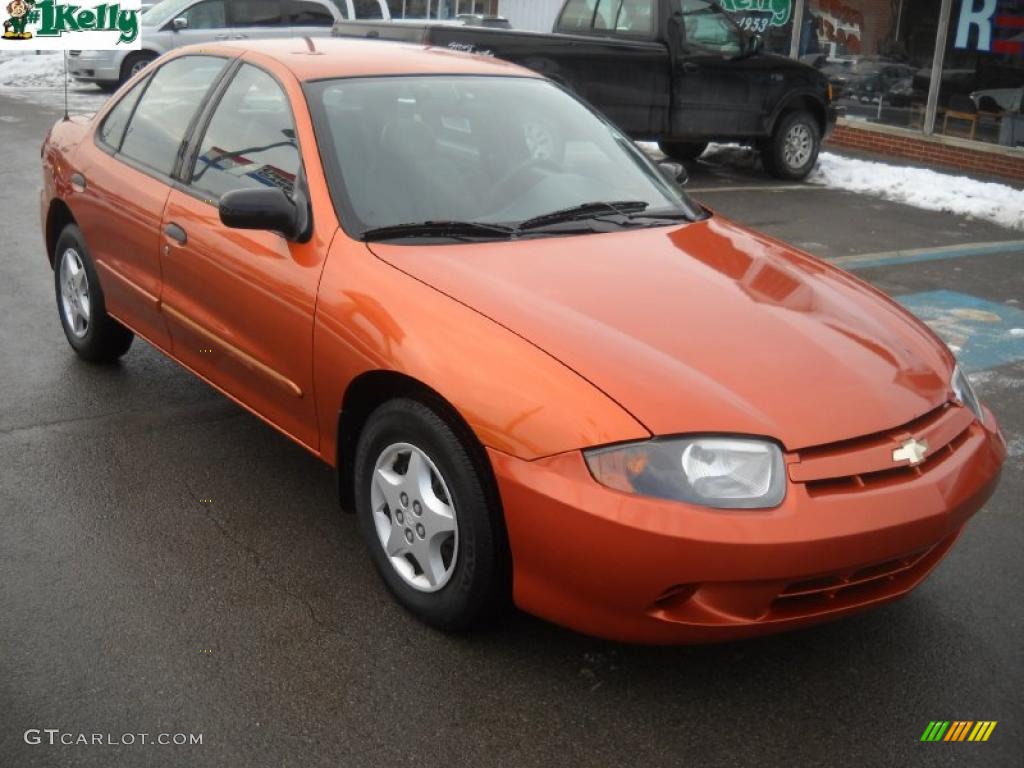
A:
(720, 472)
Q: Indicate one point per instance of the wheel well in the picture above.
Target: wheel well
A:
(134, 55)
(804, 104)
(374, 388)
(57, 217)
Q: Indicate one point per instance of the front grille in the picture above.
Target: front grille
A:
(866, 462)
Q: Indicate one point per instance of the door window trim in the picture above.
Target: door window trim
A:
(117, 154)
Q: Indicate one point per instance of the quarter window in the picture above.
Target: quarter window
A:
(250, 142)
(367, 9)
(208, 14)
(157, 129)
(112, 130)
(577, 16)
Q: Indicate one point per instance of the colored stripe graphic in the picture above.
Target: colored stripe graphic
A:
(958, 730)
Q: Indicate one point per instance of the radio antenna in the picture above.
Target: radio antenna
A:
(66, 117)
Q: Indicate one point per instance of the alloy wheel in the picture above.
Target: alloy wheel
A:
(74, 293)
(798, 146)
(414, 517)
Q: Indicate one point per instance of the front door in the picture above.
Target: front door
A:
(240, 303)
(714, 93)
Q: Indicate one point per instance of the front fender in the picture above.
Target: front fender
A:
(516, 398)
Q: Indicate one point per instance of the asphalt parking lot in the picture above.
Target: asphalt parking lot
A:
(170, 564)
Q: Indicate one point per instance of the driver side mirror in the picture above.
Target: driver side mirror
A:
(674, 172)
(268, 208)
(179, 23)
(755, 44)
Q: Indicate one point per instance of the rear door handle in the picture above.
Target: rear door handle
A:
(176, 233)
(689, 66)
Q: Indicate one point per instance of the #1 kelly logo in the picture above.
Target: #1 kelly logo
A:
(86, 25)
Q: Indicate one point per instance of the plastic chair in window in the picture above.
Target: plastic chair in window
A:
(962, 108)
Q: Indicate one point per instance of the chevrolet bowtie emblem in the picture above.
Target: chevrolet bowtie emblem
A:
(912, 450)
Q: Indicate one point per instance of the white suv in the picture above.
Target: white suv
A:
(174, 23)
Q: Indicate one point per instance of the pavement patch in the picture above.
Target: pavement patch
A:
(983, 334)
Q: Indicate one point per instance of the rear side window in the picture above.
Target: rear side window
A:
(256, 13)
(303, 13)
(209, 14)
(367, 9)
(577, 16)
(636, 17)
(250, 142)
(112, 130)
(157, 129)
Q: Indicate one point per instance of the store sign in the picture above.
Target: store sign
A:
(983, 17)
(87, 24)
(758, 15)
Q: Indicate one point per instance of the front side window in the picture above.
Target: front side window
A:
(112, 130)
(636, 17)
(255, 13)
(706, 26)
(157, 129)
(209, 14)
(250, 142)
(501, 150)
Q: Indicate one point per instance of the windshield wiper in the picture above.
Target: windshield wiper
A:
(454, 229)
(585, 211)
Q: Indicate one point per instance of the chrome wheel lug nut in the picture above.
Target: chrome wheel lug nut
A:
(399, 516)
(408, 535)
(417, 508)
(420, 530)
(404, 498)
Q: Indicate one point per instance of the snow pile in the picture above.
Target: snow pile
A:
(922, 188)
(43, 71)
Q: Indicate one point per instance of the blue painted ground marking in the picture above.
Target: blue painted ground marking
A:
(914, 256)
(983, 334)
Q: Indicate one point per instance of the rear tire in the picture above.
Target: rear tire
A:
(92, 333)
(793, 148)
(683, 151)
(435, 533)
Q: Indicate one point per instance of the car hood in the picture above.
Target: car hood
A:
(706, 327)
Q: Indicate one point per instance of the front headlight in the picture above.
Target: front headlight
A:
(964, 392)
(720, 472)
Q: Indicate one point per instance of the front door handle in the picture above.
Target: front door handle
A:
(176, 233)
(689, 66)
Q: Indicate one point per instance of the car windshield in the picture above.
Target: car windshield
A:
(479, 150)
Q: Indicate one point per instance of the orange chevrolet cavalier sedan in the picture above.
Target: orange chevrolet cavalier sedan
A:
(543, 373)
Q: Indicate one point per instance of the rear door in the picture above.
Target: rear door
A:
(715, 90)
(127, 176)
(240, 303)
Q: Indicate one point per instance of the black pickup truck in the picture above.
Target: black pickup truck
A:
(679, 72)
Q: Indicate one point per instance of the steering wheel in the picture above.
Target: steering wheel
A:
(516, 182)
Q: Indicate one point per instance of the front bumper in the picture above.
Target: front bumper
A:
(644, 570)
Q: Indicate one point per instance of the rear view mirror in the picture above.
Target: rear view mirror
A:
(179, 23)
(674, 172)
(267, 208)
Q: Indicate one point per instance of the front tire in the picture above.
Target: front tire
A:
(435, 533)
(793, 148)
(92, 333)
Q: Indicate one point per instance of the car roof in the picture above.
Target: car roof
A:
(329, 57)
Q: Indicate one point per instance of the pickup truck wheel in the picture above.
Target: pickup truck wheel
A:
(683, 151)
(434, 535)
(92, 333)
(792, 150)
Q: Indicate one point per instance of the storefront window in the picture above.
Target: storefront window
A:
(876, 53)
(982, 87)
(437, 9)
(772, 19)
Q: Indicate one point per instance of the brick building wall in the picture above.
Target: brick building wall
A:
(942, 151)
